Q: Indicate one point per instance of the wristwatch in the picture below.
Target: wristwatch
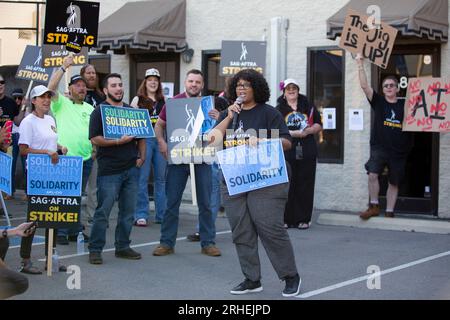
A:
(5, 233)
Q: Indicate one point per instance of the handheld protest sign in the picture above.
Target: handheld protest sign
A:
(5, 173)
(53, 56)
(360, 36)
(188, 123)
(120, 121)
(54, 190)
(248, 168)
(239, 55)
(71, 23)
(30, 67)
(426, 105)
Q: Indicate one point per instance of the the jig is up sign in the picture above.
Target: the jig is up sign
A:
(374, 43)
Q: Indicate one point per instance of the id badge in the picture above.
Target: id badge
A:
(298, 152)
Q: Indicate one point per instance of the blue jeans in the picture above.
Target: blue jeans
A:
(123, 187)
(15, 154)
(176, 179)
(153, 156)
(215, 192)
(87, 167)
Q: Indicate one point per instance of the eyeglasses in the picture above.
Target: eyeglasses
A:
(18, 98)
(2, 81)
(390, 85)
(243, 86)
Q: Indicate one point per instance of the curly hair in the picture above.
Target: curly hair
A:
(261, 90)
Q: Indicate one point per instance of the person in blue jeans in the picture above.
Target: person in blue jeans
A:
(117, 179)
(177, 175)
(150, 96)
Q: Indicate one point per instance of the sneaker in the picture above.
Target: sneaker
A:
(211, 251)
(62, 240)
(372, 211)
(247, 286)
(194, 237)
(389, 214)
(128, 254)
(73, 238)
(28, 268)
(286, 226)
(140, 223)
(95, 258)
(163, 251)
(292, 287)
(303, 226)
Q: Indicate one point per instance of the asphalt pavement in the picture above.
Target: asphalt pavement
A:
(335, 262)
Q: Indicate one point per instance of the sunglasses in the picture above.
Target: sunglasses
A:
(390, 85)
(2, 81)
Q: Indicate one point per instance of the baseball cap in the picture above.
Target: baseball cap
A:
(17, 92)
(76, 78)
(152, 72)
(39, 91)
(290, 81)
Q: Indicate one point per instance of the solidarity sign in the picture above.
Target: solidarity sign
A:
(54, 190)
(5, 172)
(119, 121)
(247, 168)
(188, 123)
(426, 105)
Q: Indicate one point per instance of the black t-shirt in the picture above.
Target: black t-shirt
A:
(387, 126)
(9, 109)
(153, 107)
(115, 159)
(305, 116)
(94, 98)
(262, 116)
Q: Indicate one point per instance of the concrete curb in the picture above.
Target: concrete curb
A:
(393, 224)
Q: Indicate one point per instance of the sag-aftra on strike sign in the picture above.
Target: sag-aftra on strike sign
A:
(66, 19)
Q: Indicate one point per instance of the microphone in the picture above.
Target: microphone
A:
(238, 101)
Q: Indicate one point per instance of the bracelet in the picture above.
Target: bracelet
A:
(62, 68)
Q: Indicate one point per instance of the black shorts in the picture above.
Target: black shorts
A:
(379, 158)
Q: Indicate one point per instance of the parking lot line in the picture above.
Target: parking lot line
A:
(366, 277)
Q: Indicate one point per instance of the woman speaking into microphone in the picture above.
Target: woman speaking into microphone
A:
(257, 213)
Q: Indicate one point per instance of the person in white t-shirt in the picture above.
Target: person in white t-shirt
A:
(37, 134)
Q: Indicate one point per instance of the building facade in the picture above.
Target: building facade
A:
(297, 47)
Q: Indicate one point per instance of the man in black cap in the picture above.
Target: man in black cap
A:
(72, 116)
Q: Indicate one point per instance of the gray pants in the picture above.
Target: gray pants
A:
(91, 191)
(260, 213)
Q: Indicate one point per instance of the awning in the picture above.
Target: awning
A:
(421, 18)
(159, 24)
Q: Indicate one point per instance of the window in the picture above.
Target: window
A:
(326, 67)
(102, 64)
(214, 83)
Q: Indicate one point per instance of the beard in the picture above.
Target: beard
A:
(114, 98)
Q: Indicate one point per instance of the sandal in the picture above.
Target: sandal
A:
(303, 226)
(141, 223)
(28, 268)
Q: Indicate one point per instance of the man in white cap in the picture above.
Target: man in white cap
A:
(72, 116)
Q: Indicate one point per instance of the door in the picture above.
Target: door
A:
(418, 193)
(168, 64)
